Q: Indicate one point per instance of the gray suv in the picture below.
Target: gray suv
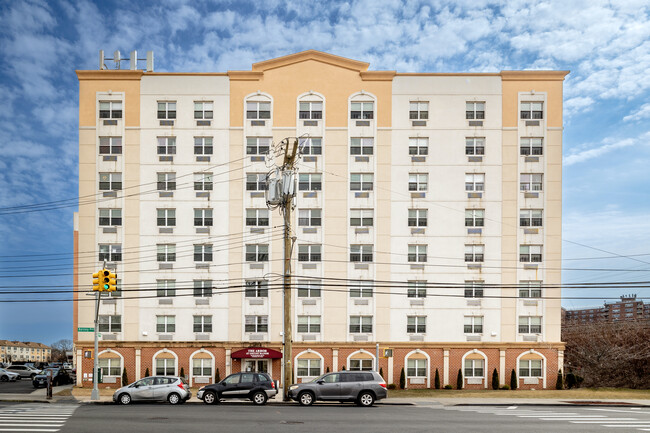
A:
(362, 387)
(24, 371)
(158, 388)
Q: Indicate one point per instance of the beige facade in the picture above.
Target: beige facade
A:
(12, 351)
(428, 210)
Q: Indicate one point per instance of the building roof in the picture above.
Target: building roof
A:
(29, 344)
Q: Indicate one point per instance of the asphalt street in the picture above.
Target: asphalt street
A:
(21, 386)
(243, 417)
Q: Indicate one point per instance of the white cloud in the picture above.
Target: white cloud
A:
(606, 146)
(642, 113)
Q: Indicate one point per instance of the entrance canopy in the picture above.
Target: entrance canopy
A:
(257, 352)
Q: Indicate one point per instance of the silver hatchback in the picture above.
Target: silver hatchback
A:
(157, 388)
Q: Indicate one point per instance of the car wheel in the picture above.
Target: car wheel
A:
(306, 398)
(210, 398)
(124, 398)
(173, 398)
(259, 398)
(4, 378)
(366, 399)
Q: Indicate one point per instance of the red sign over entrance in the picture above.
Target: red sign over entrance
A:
(257, 352)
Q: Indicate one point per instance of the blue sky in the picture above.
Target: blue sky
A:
(605, 44)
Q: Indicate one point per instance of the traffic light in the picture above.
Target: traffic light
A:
(105, 280)
(97, 276)
(112, 282)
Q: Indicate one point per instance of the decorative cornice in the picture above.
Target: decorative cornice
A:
(109, 74)
(303, 56)
(533, 75)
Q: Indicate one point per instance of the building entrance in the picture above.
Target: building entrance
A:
(257, 365)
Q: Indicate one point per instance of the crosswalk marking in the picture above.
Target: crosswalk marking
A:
(35, 417)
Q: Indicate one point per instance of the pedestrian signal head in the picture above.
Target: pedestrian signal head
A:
(112, 282)
(97, 276)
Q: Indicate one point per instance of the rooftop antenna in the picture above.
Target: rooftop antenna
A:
(133, 60)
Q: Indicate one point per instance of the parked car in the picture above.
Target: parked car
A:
(8, 376)
(155, 388)
(362, 387)
(257, 387)
(24, 371)
(60, 376)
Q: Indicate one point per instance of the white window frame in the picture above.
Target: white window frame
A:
(112, 181)
(475, 110)
(202, 288)
(114, 109)
(530, 253)
(257, 217)
(418, 146)
(416, 324)
(256, 182)
(308, 324)
(166, 181)
(258, 110)
(256, 324)
(531, 146)
(474, 182)
(362, 145)
(110, 145)
(530, 325)
(531, 217)
(310, 181)
(203, 217)
(417, 253)
(418, 217)
(361, 324)
(474, 217)
(166, 145)
(203, 110)
(530, 289)
(531, 110)
(166, 110)
(203, 253)
(203, 323)
(361, 217)
(258, 145)
(203, 181)
(474, 288)
(309, 289)
(166, 252)
(108, 367)
(165, 288)
(257, 288)
(474, 253)
(166, 217)
(473, 366)
(110, 252)
(361, 253)
(416, 367)
(310, 217)
(418, 181)
(309, 253)
(531, 182)
(311, 145)
(362, 289)
(362, 181)
(165, 322)
(473, 325)
(110, 217)
(310, 110)
(109, 323)
(362, 110)
(204, 367)
(260, 252)
(416, 289)
(310, 366)
(527, 368)
(165, 366)
(475, 146)
(203, 145)
(418, 110)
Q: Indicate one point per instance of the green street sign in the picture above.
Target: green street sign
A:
(85, 329)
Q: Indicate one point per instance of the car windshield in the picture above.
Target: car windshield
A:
(53, 370)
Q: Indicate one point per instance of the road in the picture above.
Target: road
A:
(242, 417)
(22, 386)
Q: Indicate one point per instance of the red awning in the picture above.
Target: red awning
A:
(257, 352)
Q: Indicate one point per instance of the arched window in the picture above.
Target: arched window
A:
(165, 363)
(309, 364)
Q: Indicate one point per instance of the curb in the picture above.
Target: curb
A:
(568, 404)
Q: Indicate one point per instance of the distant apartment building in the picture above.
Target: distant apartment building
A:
(629, 308)
(12, 351)
(427, 221)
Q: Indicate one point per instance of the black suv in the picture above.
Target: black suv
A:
(60, 376)
(257, 387)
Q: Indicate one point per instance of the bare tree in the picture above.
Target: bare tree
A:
(59, 349)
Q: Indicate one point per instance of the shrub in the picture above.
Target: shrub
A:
(495, 379)
(381, 372)
(392, 386)
(505, 387)
(559, 383)
(459, 379)
(217, 378)
(402, 379)
(579, 380)
(125, 377)
(146, 372)
(513, 380)
(449, 387)
(436, 381)
(182, 372)
(343, 368)
(328, 369)
(570, 380)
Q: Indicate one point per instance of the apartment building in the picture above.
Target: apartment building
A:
(427, 221)
(27, 351)
(629, 308)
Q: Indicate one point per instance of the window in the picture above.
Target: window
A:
(309, 217)
(166, 181)
(530, 325)
(110, 252)
(257, 289)
(361, 146)
(362, 110)
(202, 181)
(256, 324)
(308, 368)
(165, 323)
(311, 145)
(203, 145)
(530, 182)
(475, 110)
(203, 253)
(202, 217)
(361, 365)
(166, 288)
(110, 366)
(416, 368)
(257, 253)
(361, 253)
(256, 182)
(110, 181)
(165, 367)
(110, 217)
(473, 289)
(201, 367)
(309, 182)
(474, 217)
(202, 288)
(110, 109)
(418, 146)
(532, 110)
(475, 146)
(474, 253)
(417, 289)
(530, 253)
(361, 217)
(257, 145)
(360, 324)
(416, 324)
(110, 145)
(418, 181)
(202, 323)
(474, 367)
(311, 110)
(110, 323)
(166, 110)
(361, 289)
(473, 325)
(166, 252)
(530, 217)
(531, 146)
(258, 110)
(203, 110)
(530, 368)
(361, 181)
(417, 217)
(309, 253)
(309, 289)
(166, 145)
(166, 217)
(309, 324)
(417, 253)
(257, 217)
(474, 182)
(418, 110)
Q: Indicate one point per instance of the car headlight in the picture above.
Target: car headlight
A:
(202, 388)
(292, 387)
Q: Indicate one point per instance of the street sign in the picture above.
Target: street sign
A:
(85, 329)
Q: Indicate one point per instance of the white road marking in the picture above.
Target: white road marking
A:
(29, 429)
(636, 412)
(627, 426)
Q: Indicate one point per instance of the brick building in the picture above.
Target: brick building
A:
(629, 308)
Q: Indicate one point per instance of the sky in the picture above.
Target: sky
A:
(605, 45)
